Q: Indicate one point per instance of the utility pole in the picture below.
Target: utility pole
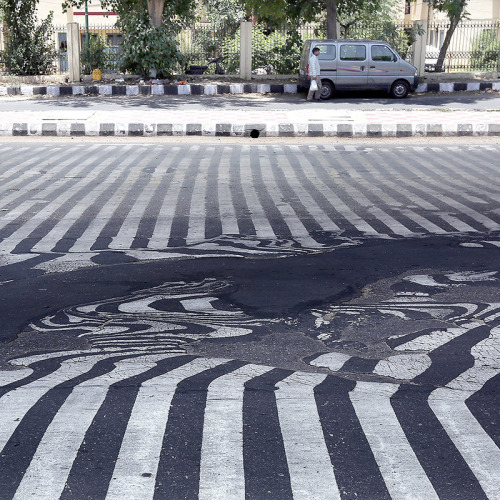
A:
(87, 38)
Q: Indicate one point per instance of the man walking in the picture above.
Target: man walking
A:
(314, 71)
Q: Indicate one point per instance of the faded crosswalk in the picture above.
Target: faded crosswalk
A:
(137, 419)
(74, 201)
(135, 416)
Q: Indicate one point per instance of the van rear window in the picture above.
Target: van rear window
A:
(350, 52)
(327, 52)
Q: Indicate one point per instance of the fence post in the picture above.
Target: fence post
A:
(246, 50)
(419, 47)
(74, 52)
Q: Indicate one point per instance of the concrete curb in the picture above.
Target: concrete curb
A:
(65, 128)
(212, 89)
(145, 90)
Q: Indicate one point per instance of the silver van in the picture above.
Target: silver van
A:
(359, 65)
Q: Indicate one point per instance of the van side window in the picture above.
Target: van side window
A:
(327, 52)
(381, 53)
(352, 52)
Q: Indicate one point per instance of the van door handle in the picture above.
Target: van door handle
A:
(362, 68)
(372, 67)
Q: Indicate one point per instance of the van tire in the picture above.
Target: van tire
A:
(327, 90)
(399, 89)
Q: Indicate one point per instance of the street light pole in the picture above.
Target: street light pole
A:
(87, 39)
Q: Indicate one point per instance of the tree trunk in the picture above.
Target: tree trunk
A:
(331, 19)
(155, 9)
(447, 39)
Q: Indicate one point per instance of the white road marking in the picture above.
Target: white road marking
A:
(221, 470)
(311, 471)
(402, 473)
(48, 471)
(331, 360)
(134, 475)
(449, 405)
(15, 404)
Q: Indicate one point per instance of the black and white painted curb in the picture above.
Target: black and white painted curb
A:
(326, 129)
(212, 89)
(145, 90)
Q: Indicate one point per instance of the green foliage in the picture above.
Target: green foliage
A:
(452, 8)
(146, 48)
(224, 18)
(29, 47)
(279, 48)
(100, 56)
(485, 50)
(224, 15)
(401, 38)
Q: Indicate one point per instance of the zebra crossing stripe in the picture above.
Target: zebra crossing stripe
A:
(349, 182)
(50, 210)
(449, 405)
(400, 468)
(318, 169)
(269, 192)
(15, 404)
(263, 227)
(452, 202)
(295, 224)
(197, 213)
(297, 192)
(137, 463)
(309, 464)
(140, 192)
(9, 377)
(65, 224)
(227, 211)
(111, 206)
(49, 468)
(163, 226)
(221, 467)
(313, 200)
(447, 171)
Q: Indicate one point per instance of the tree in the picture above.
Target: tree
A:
(330, 11)
(455, 11)
(29, 48)
(150, 28)
(159, 12)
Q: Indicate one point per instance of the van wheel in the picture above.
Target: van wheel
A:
(399, 89)
(326, 89)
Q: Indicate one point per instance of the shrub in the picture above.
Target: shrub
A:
(278, 48)
(100, 55)
(146, 48)
(29, 49)
(485, 49)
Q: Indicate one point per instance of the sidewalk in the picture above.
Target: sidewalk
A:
(316, 122)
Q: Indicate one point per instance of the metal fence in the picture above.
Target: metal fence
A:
(474, 46)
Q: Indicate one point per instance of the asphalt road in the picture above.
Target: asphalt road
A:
(352, 101)
(249, 321)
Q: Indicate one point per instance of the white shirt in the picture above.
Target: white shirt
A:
(314, 69)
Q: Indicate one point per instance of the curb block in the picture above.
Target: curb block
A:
(138, 129)
(211, 89)
(132, 90)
